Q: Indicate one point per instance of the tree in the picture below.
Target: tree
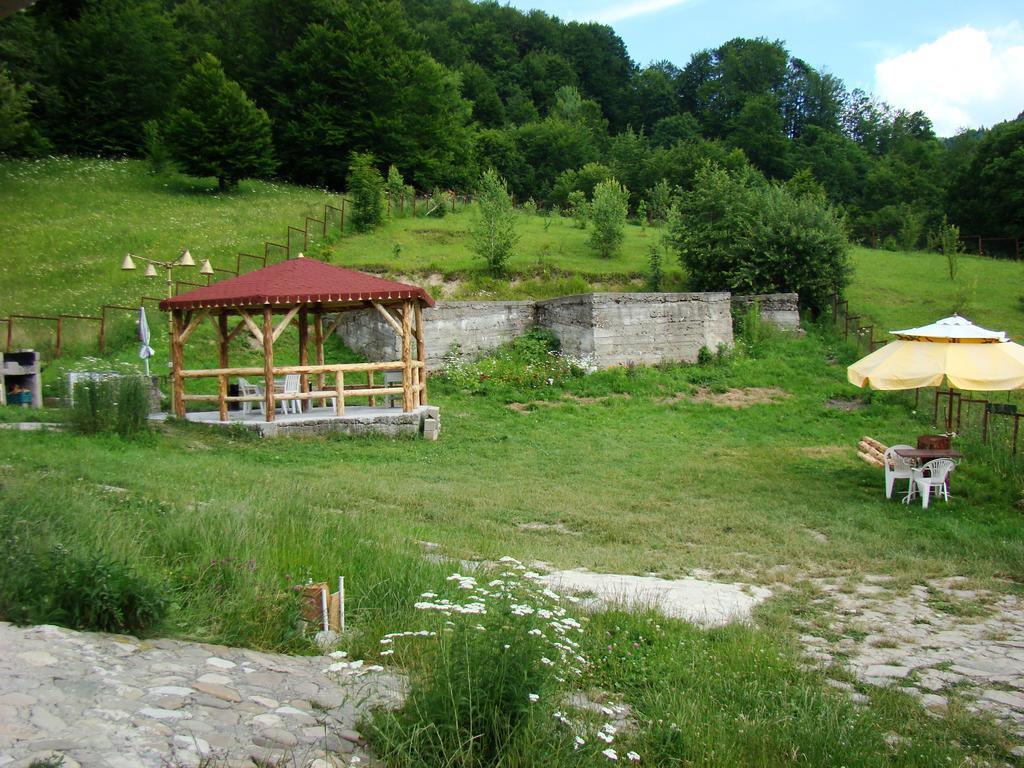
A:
(736, 232)
(494, 235)
(357, 82)
(397, 189)
(608, 212)
(14, 107)
(215, 130)
(365, 188)
(116, 67)
(988, 195)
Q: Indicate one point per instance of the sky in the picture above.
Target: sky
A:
(960, 61)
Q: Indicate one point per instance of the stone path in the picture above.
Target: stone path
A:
(932, 640)
(113, 700)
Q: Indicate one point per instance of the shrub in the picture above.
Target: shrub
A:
(608, 212)
(437, 204)
(132, 414)
(655, 274)
(366, 191)
(947, 239)
(531, 361)
(491, 690)
(118, 405)
(494, 235)
(93, 410)
(397, 189)
(734, 231)
(579, 208)
(88, 591)
(158, 156)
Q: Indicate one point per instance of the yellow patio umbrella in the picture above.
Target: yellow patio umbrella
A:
(955, 349)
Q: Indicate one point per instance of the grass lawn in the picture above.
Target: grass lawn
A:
(902, 290)
(641, 478)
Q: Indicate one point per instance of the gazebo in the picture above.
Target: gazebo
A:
(266, 301)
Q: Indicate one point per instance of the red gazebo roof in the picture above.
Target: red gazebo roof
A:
(296, 281)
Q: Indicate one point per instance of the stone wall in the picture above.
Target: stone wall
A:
(779, 309)
(603, 328)
(644, 328)
(475, 326)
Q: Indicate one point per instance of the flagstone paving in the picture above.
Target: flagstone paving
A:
(113, 700)
(932, 640)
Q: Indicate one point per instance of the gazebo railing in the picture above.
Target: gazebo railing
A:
(412, 384)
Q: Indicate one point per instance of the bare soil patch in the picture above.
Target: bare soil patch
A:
(738, 398)
(845, 404)
(544, 527)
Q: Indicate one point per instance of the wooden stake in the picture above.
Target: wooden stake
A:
(421, 354)
(304, 354)
(407, 403)
(177, 364)
(222, 380)
(268, 363)
(339, 393)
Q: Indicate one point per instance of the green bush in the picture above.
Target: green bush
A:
(734, 231)
(397, 190)
(118, 405)
(366, 192)
(655, 273)
(83, 591)
(531, 361)
(93, 410)
(132, 412)
(608, 212)
(157, 155)
(494, 235)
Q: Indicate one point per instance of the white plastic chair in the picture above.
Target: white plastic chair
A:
(292, 386)
(934, 474)
(897, 468)
(245, 389)
(391, 378)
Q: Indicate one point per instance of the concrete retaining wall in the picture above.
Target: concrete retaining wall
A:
(779, 309)
(644, 328)
(603, 328)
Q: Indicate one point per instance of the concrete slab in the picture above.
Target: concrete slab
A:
(709, 603)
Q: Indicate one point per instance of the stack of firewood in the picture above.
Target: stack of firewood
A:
(872, 452)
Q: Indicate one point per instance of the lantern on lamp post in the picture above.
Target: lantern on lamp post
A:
(185, 260)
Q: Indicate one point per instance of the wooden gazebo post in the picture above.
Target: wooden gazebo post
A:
(421, 354)
(304, 405)
(177, 365)
(222, 380)
(407, 356)
(268, 362)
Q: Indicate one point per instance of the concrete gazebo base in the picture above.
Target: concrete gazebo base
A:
(424, 420)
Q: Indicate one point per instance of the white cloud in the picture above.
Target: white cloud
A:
(622, 11)
(967, 78)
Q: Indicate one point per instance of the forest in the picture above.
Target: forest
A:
(445, 89)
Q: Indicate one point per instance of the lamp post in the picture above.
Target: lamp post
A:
(185, 260)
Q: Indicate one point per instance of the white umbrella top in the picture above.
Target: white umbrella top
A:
(952, 329)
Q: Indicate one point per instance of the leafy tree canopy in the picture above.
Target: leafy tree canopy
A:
(215, 130)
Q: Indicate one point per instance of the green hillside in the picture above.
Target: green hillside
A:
(70, 222)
